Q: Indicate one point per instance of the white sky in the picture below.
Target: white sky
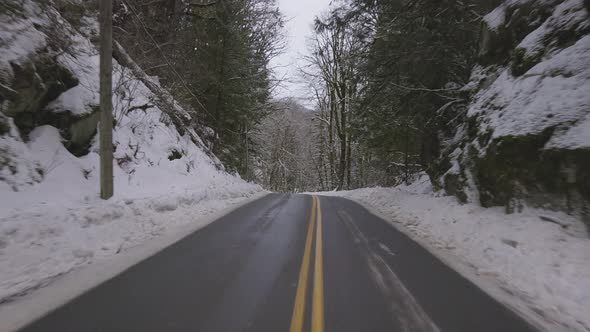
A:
(299, 15)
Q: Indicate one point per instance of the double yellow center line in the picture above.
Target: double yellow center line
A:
(317, 305)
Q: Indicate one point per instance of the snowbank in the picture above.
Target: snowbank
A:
(53, 235)
(535, 265)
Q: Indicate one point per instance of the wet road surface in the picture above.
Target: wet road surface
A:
(288, 263)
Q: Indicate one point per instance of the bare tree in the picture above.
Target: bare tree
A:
(333, 64)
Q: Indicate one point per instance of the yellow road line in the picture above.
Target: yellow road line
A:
(317, 307)
(299, 308)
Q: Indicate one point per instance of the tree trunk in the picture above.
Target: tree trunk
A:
(406, 166)
(343, 140)
(348, 163)
(217, 111)
(331, 153)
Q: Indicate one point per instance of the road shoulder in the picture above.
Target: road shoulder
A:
(30, 307)
(487, 283)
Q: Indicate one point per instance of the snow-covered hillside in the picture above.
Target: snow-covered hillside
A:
(51, 219)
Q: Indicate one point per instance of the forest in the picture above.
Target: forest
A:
(387, 79)
(395, 90)
(214, 57)
(470, 94)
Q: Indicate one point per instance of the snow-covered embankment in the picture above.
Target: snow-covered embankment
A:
(51, 218)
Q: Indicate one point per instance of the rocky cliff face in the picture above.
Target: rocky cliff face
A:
(49, 77)
(525, 136)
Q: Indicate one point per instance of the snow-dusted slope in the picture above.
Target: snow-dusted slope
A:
(548, 82)
(51, 219)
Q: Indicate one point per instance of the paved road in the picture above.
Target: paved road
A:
(288, 263)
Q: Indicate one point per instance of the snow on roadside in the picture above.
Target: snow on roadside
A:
(542, 264)
(17, 314)
(50, 228)
(48, 239)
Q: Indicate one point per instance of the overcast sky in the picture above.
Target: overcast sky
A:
(299, 15)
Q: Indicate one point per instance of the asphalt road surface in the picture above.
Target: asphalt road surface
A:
(288, 263)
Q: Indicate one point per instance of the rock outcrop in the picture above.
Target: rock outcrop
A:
(525, 135)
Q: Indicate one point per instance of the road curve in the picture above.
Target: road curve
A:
(293, 263)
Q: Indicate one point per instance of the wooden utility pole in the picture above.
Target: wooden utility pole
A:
(106, 106)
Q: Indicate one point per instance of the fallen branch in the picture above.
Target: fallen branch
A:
(7, 92)
(143, 107)
(551, 220)
(180, 118)
(166, 102)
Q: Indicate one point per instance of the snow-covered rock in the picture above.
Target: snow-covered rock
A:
(526, 133)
